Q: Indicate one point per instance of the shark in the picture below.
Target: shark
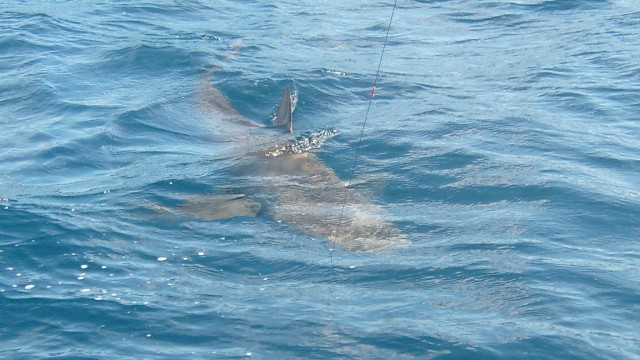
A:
(285, 180)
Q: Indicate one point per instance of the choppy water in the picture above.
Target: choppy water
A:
(504, 142)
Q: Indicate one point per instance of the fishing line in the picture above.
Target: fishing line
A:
(364, 124)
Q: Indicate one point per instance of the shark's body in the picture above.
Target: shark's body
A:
(291, 185)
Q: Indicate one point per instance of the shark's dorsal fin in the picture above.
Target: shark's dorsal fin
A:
(283, 117)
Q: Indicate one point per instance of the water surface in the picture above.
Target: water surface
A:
(502, 142)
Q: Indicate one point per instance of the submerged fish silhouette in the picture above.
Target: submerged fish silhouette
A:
(290, 183)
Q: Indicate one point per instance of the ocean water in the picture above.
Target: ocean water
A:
(503, 143)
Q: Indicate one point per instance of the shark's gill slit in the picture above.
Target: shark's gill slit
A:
(336, 234)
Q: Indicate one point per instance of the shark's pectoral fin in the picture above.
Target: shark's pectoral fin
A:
(283, 117)
(218, 207)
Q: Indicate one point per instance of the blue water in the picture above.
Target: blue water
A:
(503, 142)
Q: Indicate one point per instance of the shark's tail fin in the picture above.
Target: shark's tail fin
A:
(210, 98)
(287, 105)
